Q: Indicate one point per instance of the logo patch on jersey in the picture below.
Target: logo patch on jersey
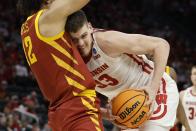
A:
(95, 55)
(94, 51)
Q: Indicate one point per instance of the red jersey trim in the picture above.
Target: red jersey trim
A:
(139, 60)
(164, 110)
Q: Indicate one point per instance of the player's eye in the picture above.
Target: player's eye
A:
(84, 36)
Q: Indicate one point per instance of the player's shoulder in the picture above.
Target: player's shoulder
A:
(106, 34)
(31, 19)
(102, 33)
(109, 38)
(103, 36)
(27, 24)
(182, 93)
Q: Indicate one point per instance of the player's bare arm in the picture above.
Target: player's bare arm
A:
(115, 43)
(181, 113)
(53, 19)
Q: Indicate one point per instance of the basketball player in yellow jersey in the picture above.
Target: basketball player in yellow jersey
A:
(59, 69)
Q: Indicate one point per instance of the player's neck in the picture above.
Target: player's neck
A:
(194, 89)
(87, 58)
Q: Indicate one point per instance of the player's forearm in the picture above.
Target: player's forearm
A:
(187, 127)
(60, 9)
(184, 122)
(72, 6)
(160, 54)
(182, 117)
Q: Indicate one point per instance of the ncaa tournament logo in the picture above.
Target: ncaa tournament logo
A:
(95, 55)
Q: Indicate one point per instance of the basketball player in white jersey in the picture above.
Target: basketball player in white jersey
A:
(181, 117)
(114, 60)
(188, 101)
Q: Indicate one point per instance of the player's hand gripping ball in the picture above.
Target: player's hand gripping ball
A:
(129, 106)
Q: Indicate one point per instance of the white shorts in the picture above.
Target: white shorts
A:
(167, 100)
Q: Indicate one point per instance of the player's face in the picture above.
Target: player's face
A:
(83, 39)
(193, 76)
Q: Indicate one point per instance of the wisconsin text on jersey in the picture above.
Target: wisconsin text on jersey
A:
(99, 69)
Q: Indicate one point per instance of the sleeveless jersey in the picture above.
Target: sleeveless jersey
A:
(189, 104)
(115, 74)
(55, 62)
(112, 75)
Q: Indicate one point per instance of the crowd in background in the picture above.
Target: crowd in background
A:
(22, 106)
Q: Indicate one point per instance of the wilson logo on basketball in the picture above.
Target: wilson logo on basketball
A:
(138, 118)
(128, 110)
(129, 106)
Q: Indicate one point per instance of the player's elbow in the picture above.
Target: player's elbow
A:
(164, 45)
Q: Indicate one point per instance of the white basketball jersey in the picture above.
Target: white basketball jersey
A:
(189, 104)
(112, 75)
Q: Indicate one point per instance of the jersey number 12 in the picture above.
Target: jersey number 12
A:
(31, 58)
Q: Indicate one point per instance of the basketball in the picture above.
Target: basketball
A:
(129, 106)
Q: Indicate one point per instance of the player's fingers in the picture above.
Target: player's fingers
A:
(146, 92)
(151, 110)
(112, 117)
(148, 102)
(109, 112)
(149, 113)
(141, 90)
(116, 117)
(109, 105)
(123, 127)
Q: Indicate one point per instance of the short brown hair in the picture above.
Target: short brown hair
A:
(75, 21)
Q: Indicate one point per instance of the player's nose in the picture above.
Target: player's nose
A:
(80, 43)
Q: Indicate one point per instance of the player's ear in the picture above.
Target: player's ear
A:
(90, 25)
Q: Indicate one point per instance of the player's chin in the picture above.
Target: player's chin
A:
(84, 55)
(81, 52)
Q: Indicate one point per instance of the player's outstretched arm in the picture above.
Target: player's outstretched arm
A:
(60, 9)
(53, 19)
